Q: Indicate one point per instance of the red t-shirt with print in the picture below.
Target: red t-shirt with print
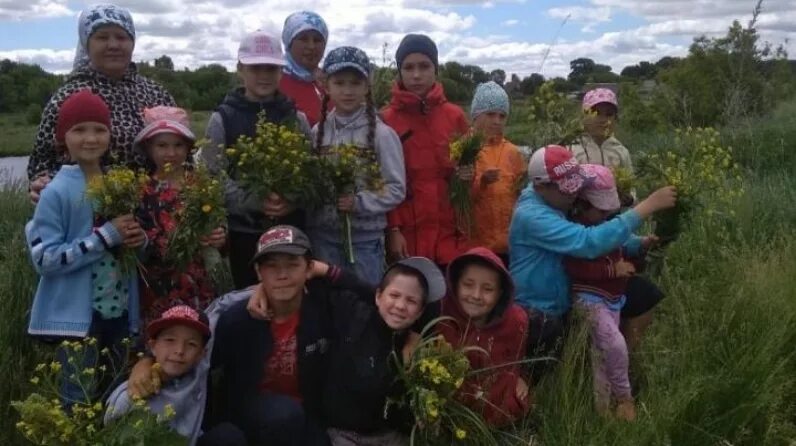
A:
(281, 371)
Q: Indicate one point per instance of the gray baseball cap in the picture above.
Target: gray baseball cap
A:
(430, 271)
(282, 239)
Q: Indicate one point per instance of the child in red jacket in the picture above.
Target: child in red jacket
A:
(483, 314)
(424, 224)
(600, 285)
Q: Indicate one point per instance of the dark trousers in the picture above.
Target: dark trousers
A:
(279, 420)
(242, 247)
(545, 341)
(224, 434)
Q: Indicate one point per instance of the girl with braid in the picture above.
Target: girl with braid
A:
(353, 121)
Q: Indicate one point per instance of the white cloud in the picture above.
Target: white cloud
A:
(511, 22)
(15, 10)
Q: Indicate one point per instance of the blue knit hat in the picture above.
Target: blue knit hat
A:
(417, 43)
(347, 57)
(489, 96)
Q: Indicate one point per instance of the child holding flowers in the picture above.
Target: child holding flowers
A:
(260, 62)
(83, 291)
(166, 142)
(498, 171)
(353, 125)
(600, 285)
(177, 340)
(481, 313)
(424, 224)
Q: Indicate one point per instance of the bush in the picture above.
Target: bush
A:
(33, 114)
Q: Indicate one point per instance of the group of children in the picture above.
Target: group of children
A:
(304, 357)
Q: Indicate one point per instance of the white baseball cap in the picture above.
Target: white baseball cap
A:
(260, 48)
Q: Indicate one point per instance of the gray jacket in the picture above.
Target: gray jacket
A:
(369, 217)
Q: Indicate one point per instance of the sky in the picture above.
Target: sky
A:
(518, 36)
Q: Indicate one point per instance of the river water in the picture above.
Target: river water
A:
(13, 170)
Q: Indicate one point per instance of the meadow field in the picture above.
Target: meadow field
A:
(718, 367)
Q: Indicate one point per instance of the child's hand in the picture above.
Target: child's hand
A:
(465, 173)
(276, 206)
(318, 269)
(345, 203)
(145, 378)
(624, 269)
(649, 242)
(136, 236)
(412, 341)
(490, 176)
(258, 304)
(396, 246)
(522, 389)
(663, 198)
(38, 185)
(217, 239)
(122, 223)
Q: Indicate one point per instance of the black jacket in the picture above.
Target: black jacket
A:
(243, 344)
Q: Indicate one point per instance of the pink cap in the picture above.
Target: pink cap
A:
(163, 119)
(598, 96)
(556, 164)
(260, 48)
(601, 191)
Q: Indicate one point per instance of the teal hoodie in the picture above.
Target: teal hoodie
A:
(539, 238)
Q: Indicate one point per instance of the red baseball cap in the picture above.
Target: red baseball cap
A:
(556, 164)
(180, 315)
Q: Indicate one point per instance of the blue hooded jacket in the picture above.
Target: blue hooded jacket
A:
(540, 236)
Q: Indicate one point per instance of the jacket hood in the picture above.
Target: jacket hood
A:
(405, 99)
(455, 269)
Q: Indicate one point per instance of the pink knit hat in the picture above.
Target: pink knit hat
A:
(599, 96)
(162, 119)
(601, 191)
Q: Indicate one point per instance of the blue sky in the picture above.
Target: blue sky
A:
(508, 34)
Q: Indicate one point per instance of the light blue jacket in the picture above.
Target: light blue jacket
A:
(63, 246)
(540, 236)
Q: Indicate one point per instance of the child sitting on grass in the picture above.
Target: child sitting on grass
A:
(83, 291)
(177, 342)
(483, 314)
(600, 285)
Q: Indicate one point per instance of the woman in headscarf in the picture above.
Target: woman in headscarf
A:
(103, 64)
(304, 35)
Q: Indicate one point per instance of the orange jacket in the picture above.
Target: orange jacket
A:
(493, 204)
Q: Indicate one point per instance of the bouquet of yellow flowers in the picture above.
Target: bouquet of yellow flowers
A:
(114, 194)
(433, 377)
(43, 420)
(201, 211)
(348, 169)
(464, 152)
(276, 160)
(704, 173)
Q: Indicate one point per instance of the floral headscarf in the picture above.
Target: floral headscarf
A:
(94, 17)
(295, 24)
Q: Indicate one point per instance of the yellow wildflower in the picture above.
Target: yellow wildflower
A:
(461, 434)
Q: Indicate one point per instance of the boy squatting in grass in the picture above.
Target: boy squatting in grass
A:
(82, 291)
(540, 236)
(260, 62)
(354, 122)
(177, 341)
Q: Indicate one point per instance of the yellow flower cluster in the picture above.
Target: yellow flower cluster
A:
(464, 152)
(276, 160)
(704, 172)
(201, 210)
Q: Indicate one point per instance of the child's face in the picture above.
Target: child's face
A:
(418, 74)
(283, 276)
(478, 291)
(599, 122)
(177, 349)
(491, 124)
(307, 49)
(168, 149)
(260, 81)
(86, 142)
(400, 303)
(348, 90)
(592, 216)
(552, 195)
